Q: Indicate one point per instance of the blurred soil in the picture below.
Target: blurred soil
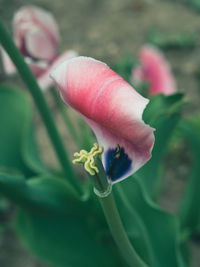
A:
(108, 30)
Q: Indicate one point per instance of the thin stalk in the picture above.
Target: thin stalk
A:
(39, 99)
(63, 111)
(118, 233)
(87, 140)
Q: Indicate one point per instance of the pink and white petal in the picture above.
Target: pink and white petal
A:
(44, 79)
(8, 65)
(39, 45)
(157, 71)
(46, 20)
(38, 17)
(103, 97)
(111, 141)
(137, 75)
(93, 89)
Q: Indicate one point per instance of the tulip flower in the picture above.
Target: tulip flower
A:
(155, 70)
(112, 108)
(37, 37)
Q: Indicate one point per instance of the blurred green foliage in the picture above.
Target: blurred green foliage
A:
(179, 40)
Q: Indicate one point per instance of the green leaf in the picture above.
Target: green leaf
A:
(56, 225)
(161, 105)
(4, 214)
(195, 4)
(134, 226)
(163, 114)
(62, 230)
(189, 212)
(18, 149)
(74, 241)
(43, 194)
(152, 228)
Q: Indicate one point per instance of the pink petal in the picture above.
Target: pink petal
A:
(29, 17)
(111, 107)
(138, 75)
(39, 45)
(155, 70)
(8, 66)
(44, 79)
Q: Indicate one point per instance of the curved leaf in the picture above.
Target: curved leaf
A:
(74, 241)
(18, 148)
(46, 194)
(160, 233)
(189, 212)
(162, 113)
(56, 225)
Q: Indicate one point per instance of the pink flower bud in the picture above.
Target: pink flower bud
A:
(37, 37)
(155, 70)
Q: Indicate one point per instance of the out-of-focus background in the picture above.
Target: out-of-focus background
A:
(109, 30)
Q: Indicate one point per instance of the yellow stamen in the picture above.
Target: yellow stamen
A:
(118, 151)
(88, 158)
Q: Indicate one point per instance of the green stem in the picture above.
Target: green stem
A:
(63, 111)
(30, 81)
(87, 138)
(118, 232)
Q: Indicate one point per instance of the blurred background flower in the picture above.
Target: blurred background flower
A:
(155, 70)
(36, 35)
